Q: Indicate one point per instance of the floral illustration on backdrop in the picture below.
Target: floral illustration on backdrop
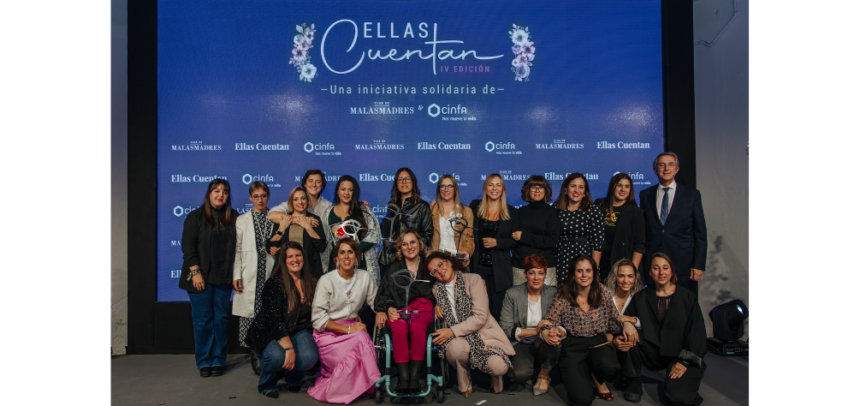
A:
(301, 59)
(524, 51)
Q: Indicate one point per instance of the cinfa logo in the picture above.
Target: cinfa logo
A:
(248, 178)
(458, 112)
(320, 148)
(180, 211)
(434, 177)
(502, 148)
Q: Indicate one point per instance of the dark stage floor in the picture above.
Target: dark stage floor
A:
(172, 380)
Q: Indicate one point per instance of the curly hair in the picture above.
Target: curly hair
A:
(402, 236)
(456, 263)
(613, 276)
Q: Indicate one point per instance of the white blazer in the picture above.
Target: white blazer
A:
(245, 265)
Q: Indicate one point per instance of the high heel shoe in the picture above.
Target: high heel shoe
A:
(605, 396)
(537, 389)
(468, 392)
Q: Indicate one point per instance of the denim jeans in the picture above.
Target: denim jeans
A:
(210, 314)
(272, 361)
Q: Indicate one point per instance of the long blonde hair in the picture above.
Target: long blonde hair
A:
(612, 278)
(503, 209)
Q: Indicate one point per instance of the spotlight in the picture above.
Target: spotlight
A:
(728, 322)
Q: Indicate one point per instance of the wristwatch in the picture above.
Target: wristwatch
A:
(280, 233)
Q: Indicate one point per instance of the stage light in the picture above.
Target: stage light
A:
(728, 322)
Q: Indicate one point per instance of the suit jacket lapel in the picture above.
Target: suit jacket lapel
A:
(523, 306)
(545, 301)
(679, 196)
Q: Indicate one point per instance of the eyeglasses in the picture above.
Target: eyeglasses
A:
(436, 269)
(662, 165)
(537, 187)
(446, 187)
(404, 180)
(259, 197)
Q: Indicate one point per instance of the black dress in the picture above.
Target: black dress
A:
(625, 234)
(581, 233)
(678, 336)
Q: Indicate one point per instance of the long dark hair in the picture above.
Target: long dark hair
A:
(309, 282)
(354, 205)
(227, 218)
(563, 201)
(606, 204)
(395, 194)
(567, 288)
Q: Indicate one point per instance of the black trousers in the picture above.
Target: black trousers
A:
(496, 298)
(682, 391)
(545, 355)
(577, 363)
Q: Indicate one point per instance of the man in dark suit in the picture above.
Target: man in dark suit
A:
(674, 224)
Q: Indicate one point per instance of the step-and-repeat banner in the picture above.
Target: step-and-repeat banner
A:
(265, 90)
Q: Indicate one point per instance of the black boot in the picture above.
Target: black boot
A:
(255, 364)
(633, 393)
(416, 372)
(402, 377)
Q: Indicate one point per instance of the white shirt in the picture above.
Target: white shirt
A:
(446, 236)
(638, 324)
(449, 287)
(660, 194)
(346, 284)
(533, 317)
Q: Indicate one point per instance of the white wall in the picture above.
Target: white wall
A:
(119, 177)
(722, 158)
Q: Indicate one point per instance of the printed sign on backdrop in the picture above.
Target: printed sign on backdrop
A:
(264, 90)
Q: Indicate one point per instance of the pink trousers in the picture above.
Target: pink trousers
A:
(416, 330)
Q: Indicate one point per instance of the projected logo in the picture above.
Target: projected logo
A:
(180, 211)
(622, 145)
(180, 178)
(443, 146)
(434, 178)
(560, 144)
(510, 176)
(378, 145)
(301, 59)
(369, 177)
(268, 179)
(502, 148)
(551, 176)
(638, 178)
(524, 53)
(382, 109)
(241, 146)
(174, 273)
(320, 149)
(196, 146)
(450, 113)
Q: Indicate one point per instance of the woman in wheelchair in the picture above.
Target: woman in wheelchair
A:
(409, 337)
(473, 339)
(523, 310)
(346, 352)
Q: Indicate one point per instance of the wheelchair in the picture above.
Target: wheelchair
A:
(436, 384)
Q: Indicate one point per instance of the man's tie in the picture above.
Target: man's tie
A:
(664, 207)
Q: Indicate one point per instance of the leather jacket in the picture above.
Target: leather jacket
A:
(414, 215)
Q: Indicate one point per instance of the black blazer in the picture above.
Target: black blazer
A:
(392, 295)
(629, 233)
(684, 237)
(503, 273)
(312, 246)
(682, 332)
(196, 235)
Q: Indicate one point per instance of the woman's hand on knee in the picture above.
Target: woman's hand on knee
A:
(677, 371)
(393, 315)
(442, 335)
(289, 359)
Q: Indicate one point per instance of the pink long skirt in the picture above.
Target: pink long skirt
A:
(348, 366)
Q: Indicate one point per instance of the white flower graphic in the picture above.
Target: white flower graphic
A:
(308, 72)
(301, 57)
(524, 52)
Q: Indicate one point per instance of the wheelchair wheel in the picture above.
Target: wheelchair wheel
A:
(379, 346)
(377, 396)
(440, 394)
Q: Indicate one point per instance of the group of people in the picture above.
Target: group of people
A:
(518, 291)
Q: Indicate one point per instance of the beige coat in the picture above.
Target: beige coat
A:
(245, 265)
(481, 319)
(468, 243)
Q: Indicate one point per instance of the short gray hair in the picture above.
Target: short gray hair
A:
(670, 153)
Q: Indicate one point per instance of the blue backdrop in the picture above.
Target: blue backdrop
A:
(264, 90)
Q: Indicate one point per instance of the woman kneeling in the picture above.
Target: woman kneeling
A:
(280, 333)
(474, 340)
(346, 351)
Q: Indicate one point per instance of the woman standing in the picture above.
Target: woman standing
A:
(297, 225)
(624, 223)
(280, 333)
(582, 320)
(414, 213)
(473, 339)
(581, 224)
(252, 265)
(314, 183)
(672, 337)
(539, 229)
(346, 352)
(347, 207)
(524, 308)
(408, 338)
(492, 259)
(208, 248)
(445, 210)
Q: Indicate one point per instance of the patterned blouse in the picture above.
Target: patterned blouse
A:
(581, 233)
(576, 321)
